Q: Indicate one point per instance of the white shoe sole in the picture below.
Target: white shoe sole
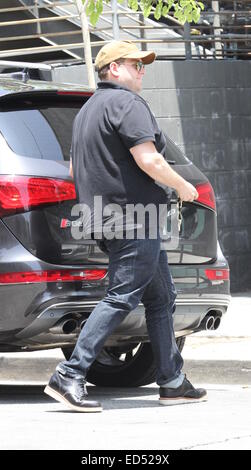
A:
(52, 393)
(180, 401)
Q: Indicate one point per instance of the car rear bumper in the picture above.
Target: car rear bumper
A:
(47, 330)
(34, 315)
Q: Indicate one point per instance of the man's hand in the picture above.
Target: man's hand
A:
(187, 192)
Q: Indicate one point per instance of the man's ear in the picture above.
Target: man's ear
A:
(114, 69)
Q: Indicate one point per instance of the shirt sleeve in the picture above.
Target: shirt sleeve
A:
(134, 123)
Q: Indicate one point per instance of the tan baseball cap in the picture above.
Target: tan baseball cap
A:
(122, 50)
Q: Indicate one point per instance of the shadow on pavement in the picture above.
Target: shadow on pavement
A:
(111, 398)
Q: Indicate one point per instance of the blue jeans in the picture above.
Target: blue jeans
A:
(138, 271)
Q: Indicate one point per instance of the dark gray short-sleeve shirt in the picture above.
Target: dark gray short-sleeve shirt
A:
(112, 121)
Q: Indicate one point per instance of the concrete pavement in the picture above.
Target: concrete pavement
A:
(132, 418)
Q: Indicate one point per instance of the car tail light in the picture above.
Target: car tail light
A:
(58, 275)
(217, 274)
(75, 93)
(206, 195)
(22, 193)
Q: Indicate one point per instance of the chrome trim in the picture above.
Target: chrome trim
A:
(84, 303)
(210, 302)
(184, 301)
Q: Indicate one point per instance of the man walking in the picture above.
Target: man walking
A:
(116, 154)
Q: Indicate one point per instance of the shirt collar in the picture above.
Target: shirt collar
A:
(111, 84)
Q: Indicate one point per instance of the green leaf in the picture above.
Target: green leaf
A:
(201, 5)
(158, 10)
(146, 6)
(165, 10)
(180, 16)
(147, 11)
(94, 18)
(188, 9)
(99, 7)
(184, 10)
(90, 7)
(157, 14)
(196, 16)
(189, 17)
(133, 4)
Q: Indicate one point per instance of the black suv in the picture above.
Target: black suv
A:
(49, 281)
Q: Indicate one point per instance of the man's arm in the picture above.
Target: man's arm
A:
(154, 164)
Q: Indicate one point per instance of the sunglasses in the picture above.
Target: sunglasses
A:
(138, 65)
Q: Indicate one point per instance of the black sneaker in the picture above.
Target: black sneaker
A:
(72, 392)
(185, 393)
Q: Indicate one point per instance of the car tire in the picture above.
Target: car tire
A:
(133, 366)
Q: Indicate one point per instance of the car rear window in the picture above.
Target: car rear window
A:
(43, 133)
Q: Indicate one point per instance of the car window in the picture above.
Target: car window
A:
(39, 133)
(46, 132)
(173, 154)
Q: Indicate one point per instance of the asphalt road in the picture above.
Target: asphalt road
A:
(132, 418)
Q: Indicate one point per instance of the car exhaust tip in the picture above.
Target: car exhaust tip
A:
(65, 327)
(217, 322)
(82, 324)
(210, 322)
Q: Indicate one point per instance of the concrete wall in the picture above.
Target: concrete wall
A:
(205, 107)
